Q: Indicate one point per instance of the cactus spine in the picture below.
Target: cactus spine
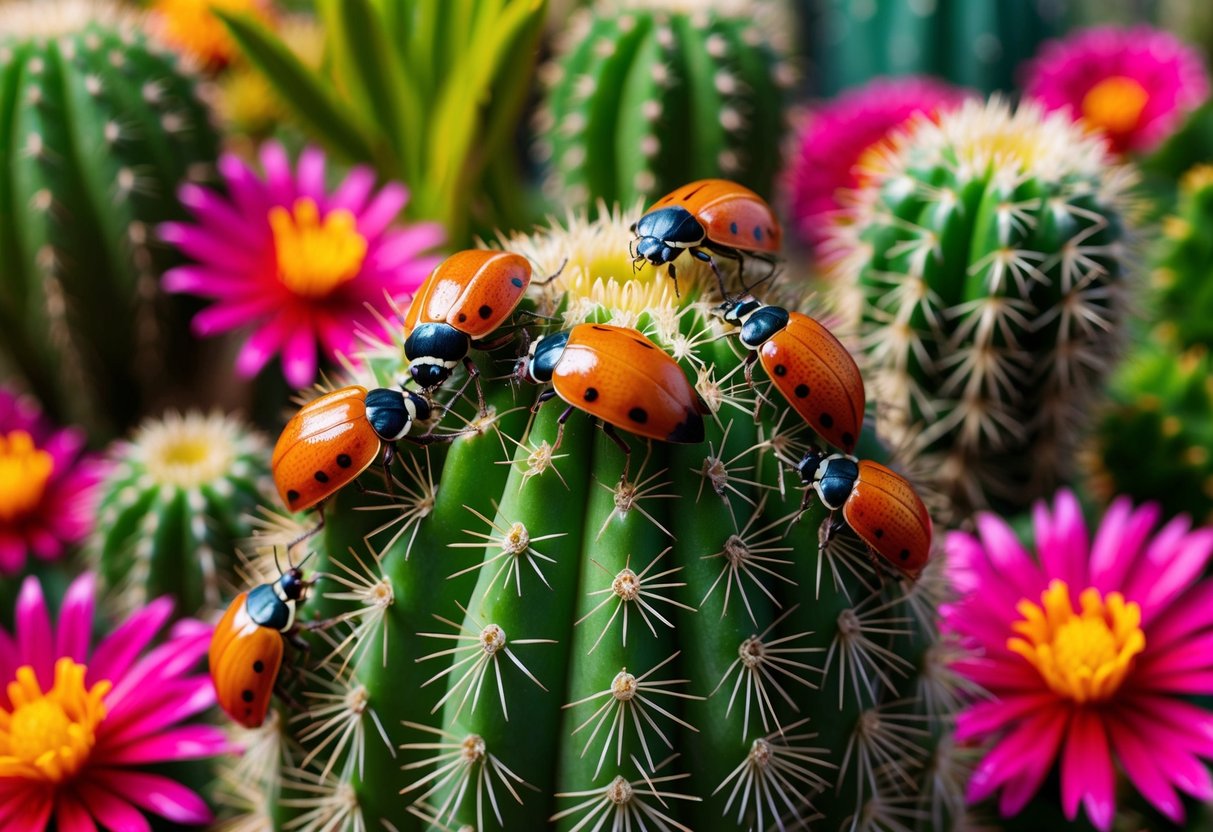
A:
(178, 500)
(530, 643)
(646, 95)
(987, 267)
(100, 129)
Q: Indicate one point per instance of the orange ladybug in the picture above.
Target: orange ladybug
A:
(808, 365)
(333, 439)
(246, 647)
(618, 375)
(709, 216)
(878, 504)
(463, 301)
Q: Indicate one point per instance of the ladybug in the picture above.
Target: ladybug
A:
(808, 365)
(709, 216)
(462, 301)
(333, 439)
(878, 504)
(246, 647)
(617, 375)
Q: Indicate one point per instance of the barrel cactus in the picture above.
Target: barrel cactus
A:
(527, 642)
(179, 499)
(101, 128)
(987, 265)
(973, 43)
(645, 95)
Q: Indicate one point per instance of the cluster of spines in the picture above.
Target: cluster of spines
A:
(509, 659)
(991, 287)
(642, 99)
(103, 128)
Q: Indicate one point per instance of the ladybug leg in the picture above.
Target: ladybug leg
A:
(310, 532)
(545, 396)
(560, 270)
(474, 376)
(564, 417)
(674, 277)
(750, 360)
(609, 430)
(829, 528)
(389, 453)
(700, 254)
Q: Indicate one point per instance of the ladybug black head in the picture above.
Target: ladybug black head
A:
(734, 311)
(808, 465)
(292, 583)
(428, 375)
(656, 251)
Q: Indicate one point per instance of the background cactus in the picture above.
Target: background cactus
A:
(177, 501)
(643, 96)
(987, 267)
(101, 128)
(1154, 439)
(973, 43)
(526, 641)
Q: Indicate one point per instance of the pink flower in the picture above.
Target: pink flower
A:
(838, 135)
(82, 729)
(48, 486)
(295, 263)
(1135, 85)
(1090, 650)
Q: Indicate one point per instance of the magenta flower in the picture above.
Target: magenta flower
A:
(836, 138)
(296, 264)
(1089, 649)
(1135, 85)
(48, 486)
(82, 729)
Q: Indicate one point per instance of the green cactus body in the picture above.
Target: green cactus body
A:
(988, 269)
(973, 43)
(1154, 440)
(100, 128)
(670, 651)
(178, 500)
(646, 96)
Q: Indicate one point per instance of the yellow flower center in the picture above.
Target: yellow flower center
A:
(1084, 656)
(1115, 104)
(316, 256)
(24, 472)
(48, 736)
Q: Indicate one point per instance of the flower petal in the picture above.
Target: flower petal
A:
(34, 638)
(309, 176)
(1086, 770)
(1147, 777)
(157, 794)
(1036, 736)
(71, 815)
(111, 811)
(76, 619)
(1118, 542)
(352, 193)
(299, 357)
(192, 742)
(384, 208)
(117, 653)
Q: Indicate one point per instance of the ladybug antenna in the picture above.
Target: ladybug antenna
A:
(553, 275)
(278, 563)
(299, 565)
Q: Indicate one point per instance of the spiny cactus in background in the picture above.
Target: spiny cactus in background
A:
(529, 643)
(101, 128)
(1155, 440)
(178, 499)
(645, 95)
(973, 43)
(985, 263)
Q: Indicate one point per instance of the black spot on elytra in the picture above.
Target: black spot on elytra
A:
(904, 554)
(638, 415)
(321, 476)
(781, 370)
(827, 421)
(258, 666)
(517, 281)
(801, 391)
(848, 439)
(292, 496)
(733, 227)
(462, 317)
(484, 312)
(246, 695)
(644, 343)
(879, 533)
(597, 328)
(757, 233)
(591, 394)
(344, 460)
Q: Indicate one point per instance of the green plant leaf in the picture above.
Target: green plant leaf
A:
(309, 96)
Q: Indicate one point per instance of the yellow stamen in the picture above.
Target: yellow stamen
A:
(1084, 656)
(316, 256)
(24, 471)
(1115, 104)
(48, 736)
(191, 26)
